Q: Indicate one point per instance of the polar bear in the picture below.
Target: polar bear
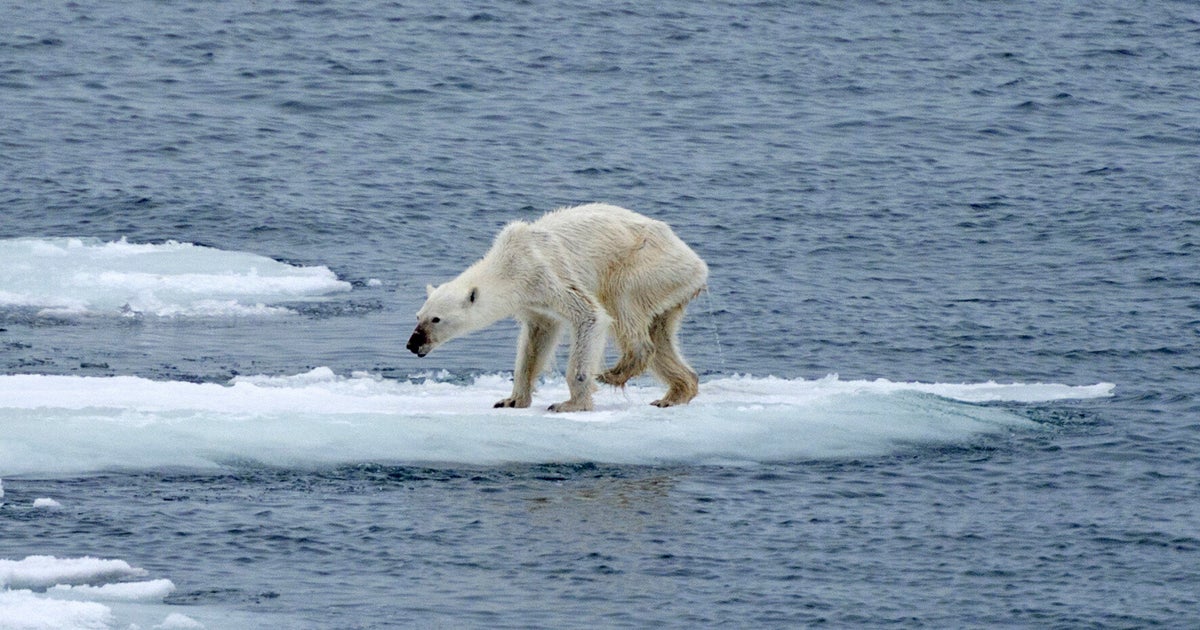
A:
(588, 268)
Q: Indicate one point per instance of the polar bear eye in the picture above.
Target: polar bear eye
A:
(436, 320)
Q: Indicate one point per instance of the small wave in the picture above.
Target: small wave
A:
(70, 277)
(70, 424)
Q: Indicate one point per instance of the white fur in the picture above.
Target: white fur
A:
(587, 268)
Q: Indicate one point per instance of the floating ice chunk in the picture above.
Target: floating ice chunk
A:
(72, 423)
(74, 277)
(148, 591)
(88, 594)
(23, 610)
(176, 621)
(46, 503)
(40, 572)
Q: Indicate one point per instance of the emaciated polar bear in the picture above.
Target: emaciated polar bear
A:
(588, 267)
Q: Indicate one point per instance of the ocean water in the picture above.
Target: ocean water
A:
(949, 353)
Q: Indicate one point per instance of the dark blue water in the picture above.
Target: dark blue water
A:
(922, 192)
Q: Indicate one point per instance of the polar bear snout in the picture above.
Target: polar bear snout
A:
(418, 343)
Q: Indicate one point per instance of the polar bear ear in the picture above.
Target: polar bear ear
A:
(429, 290)
(474, 294)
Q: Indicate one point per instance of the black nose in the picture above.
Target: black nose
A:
(416, 341)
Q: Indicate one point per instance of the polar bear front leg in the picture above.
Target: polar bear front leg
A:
(538, 337)
(590, 325)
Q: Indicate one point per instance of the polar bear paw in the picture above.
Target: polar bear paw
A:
(614, 378)
(513, 402)
(676, 396)
(571, 405)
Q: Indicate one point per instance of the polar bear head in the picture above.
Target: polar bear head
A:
(448, 312)
(480, 296)
(453, 310)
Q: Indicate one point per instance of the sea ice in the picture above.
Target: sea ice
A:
(44, 592)
(40, 572)
(70, 277)
(55, 423)
(23, 610)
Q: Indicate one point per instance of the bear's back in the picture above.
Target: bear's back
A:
(591, 216)
(597, 232)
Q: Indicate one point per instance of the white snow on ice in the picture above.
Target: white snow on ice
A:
(70, 424)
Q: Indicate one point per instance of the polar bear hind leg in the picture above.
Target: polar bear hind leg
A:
(683, 384)
(660, 271)
(631, 330)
